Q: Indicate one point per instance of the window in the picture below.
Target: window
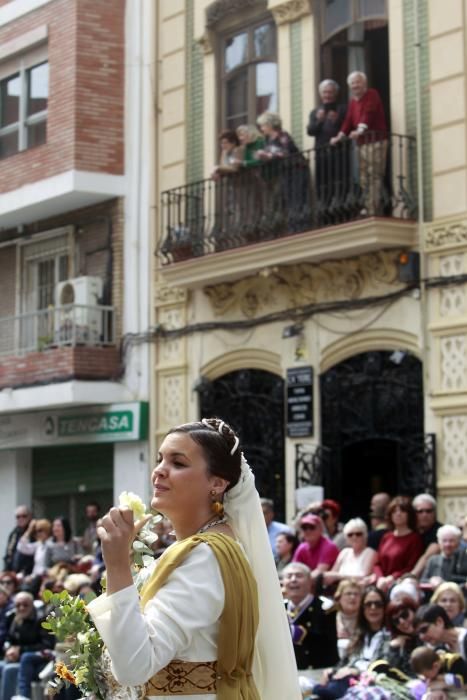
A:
(341, 14)
(45, 263)
(23, 108)
(249, 74)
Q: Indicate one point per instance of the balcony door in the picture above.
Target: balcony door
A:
(45, 264)
(354, 36)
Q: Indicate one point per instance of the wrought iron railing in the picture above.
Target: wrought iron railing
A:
(68, 325)
(320, 187)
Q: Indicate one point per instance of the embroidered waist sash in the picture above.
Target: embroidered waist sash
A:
(184, 678)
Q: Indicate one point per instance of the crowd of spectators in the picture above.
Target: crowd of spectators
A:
(389, 601)
(388, 598)
(350, 156)
(45, 555)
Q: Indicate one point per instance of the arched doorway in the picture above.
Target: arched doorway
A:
(252, 402)
(372, 427)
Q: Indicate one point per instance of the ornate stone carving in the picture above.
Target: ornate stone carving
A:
(220, 9)
(455, 508)
(455, 445)
(453, 363)
(206, 42)
(170, 295)
(172, 399)
(291, 11)
(452, 299)
(439, 235)
(170, 350)
(298, 285)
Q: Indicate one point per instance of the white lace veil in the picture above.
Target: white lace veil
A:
(274, 669)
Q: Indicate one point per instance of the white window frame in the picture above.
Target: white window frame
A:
(21, 65)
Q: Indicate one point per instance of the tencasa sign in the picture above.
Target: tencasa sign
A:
(107, 423)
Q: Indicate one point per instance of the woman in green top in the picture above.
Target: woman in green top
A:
(252, 141)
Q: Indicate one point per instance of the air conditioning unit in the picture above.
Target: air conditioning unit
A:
(77, 316)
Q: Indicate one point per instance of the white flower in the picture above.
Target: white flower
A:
(130, 499)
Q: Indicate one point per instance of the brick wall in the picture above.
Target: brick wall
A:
(86, 83)
(60, 364)
(100, 85)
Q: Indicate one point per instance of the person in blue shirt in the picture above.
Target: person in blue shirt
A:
(274, 527)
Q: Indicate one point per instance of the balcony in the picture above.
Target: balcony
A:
(58, 344)
(324, 203)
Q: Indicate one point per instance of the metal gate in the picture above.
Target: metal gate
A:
(372, 431)
(252, 402)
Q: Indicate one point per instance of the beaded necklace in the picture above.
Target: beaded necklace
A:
(219, 521)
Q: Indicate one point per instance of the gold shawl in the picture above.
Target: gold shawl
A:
(239, 619)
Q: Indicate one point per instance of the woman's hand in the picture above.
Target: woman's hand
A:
(116, 533)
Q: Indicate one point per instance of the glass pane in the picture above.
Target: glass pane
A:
(371, 8)
(264, 40)
(8, 144)
(9, 100)
(337, 14)
(236, 51)
(38, 88)
(37, 133)
(46, 283)
(63, 268)
(266, 87)
(237, 96)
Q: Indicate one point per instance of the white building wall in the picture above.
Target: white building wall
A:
(16, 489)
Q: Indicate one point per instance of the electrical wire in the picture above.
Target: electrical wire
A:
(296, 314)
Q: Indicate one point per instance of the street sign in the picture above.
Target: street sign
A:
(300, 401)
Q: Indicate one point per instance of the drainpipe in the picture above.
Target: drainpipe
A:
(421, 208)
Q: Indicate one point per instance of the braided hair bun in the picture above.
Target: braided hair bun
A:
(220, 446)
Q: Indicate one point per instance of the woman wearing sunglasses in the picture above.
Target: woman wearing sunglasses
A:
(356, 560)
(400, 615)
(370, 643)
(434, 627)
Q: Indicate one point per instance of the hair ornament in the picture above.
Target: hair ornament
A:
(236, 443)
(220, 429)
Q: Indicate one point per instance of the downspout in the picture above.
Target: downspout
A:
(421, 207)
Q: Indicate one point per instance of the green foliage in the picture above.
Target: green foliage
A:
(71, 623)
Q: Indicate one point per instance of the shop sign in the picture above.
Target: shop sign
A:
(108, 423)
(300, 401)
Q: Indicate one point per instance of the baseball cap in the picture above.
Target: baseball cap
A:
(311, 519)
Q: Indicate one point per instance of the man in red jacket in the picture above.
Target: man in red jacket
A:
(365, 123)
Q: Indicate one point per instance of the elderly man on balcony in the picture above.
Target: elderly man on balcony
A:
(324, 123)
(365, 124)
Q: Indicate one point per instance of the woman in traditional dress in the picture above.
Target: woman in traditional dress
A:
(210, 622)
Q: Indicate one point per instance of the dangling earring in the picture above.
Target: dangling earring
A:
(217, 507)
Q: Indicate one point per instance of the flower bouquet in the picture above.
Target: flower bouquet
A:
(83, 660)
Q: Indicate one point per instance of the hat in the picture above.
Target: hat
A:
(332, 505)
(311, 519)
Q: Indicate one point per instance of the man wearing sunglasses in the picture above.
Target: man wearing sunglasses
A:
(427, 527)
(14, 560)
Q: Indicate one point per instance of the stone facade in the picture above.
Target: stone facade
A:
(431, 327)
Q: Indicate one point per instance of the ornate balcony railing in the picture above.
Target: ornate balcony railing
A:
(68, 325)
(312, 189)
